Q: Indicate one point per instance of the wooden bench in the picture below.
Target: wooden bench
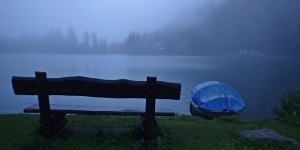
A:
(52, 117)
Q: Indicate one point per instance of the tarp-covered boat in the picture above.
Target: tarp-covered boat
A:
(213, 98)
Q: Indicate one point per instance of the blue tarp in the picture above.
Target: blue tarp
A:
(216, 96)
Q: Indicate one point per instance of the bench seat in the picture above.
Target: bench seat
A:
(98, 110)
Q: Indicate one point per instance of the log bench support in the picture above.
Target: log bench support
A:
(149, 124)
(51, 124)
(52, 117)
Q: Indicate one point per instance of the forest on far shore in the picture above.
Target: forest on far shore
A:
(262, 27)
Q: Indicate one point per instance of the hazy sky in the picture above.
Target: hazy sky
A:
(111, 19)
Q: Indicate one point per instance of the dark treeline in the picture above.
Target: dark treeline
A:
(55, 42)
(268, 27)
(250, 27)
(260, 27)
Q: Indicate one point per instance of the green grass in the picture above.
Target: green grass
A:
(180, 132)
(289, 110)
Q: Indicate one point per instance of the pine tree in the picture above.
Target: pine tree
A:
(95, 42)
(86, 39)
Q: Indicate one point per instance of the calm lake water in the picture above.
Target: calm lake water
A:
(259, 80)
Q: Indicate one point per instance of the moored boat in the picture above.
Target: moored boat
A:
(213, 99)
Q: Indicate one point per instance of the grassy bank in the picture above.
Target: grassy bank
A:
(110, 132)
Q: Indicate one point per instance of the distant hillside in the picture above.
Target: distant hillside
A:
(264, 26)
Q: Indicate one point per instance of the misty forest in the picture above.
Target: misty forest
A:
(269, 27)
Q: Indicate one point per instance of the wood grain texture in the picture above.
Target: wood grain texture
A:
(98, 110)
(84, 86)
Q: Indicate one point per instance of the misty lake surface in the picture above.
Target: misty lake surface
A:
(259, 80)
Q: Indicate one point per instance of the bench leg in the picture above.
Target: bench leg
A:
(148, 129)
(149, 124)
(52, 125)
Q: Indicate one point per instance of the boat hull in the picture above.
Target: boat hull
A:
(209, 114)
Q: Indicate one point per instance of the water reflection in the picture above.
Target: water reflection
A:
(260, 80)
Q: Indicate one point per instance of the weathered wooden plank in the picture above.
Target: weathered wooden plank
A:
(43, 97)
(149, 123)
(98, 110)
(84, 86)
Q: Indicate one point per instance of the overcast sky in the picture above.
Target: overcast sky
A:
(111, 19)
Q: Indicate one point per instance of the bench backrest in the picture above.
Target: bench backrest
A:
(84, 86)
